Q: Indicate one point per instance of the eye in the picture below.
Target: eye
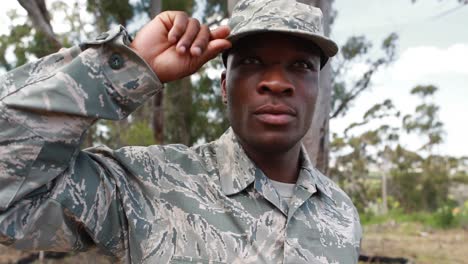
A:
(250, 61)
(304, 65)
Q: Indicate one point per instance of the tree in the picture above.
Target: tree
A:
(317, 139)
(425, 121)
(418, 181)
(358, 155)
(38, 13)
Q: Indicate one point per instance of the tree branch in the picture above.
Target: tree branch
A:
(37, 12)
(360, 86)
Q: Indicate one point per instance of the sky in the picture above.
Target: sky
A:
(432, 49)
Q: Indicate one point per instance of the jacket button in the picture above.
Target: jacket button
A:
(116, 61)
(102, 36)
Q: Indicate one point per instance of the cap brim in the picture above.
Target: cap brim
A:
(328, 46)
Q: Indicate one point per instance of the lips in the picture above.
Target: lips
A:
(275, 114)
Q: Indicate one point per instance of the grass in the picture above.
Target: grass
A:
(440, 237)
(419, 243)
(445, 217)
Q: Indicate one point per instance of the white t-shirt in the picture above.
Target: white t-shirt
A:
(285, 190)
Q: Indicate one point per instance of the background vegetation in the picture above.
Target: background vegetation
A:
(386, 181)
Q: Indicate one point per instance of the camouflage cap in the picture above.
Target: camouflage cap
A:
(287, 16)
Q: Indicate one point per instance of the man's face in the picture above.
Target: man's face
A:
(271, 86)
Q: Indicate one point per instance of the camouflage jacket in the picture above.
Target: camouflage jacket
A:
(157, 204)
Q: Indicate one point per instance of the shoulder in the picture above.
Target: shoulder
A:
(158, 157)
(342, 206)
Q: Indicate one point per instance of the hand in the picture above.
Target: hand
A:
(176, 46)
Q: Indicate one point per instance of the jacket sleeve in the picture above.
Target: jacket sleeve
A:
(52, 195)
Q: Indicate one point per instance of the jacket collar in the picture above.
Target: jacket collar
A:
(312, 179)
(237, 171)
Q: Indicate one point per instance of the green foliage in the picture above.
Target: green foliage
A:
(425, 121)
(208, 111)
(356, 156)
(42, 46)
(417, 182)
(214, 9)
(459, 167)
(424, 91)
(398, 215)
(389, 46)
(447, 216)
(177, 105)
(110, 11)
(181, 5)
(27, 43)
(18, 41)
(355, 46)
(201, 99)
(356, 50)
(139, 133)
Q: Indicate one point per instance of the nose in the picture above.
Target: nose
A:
(275, 81)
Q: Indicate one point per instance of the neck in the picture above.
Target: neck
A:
(282, 166)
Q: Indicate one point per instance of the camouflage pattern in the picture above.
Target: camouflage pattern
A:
(288, 16)
(157, 204)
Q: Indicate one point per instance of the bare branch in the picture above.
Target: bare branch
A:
(359, 87)
(37, 12)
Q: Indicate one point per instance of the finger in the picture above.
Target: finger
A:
(214, 48)
(191, 32)
(201, 41)
(179, 27)
(221, 32)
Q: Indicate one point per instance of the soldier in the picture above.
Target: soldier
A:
(252, 196)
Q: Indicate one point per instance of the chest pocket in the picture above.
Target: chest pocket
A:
(191, 260)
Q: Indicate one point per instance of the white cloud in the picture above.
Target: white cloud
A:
(444, 67)
(421, 62)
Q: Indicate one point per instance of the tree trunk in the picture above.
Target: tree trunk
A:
(317, 141)
(37, 12)
(178, 109)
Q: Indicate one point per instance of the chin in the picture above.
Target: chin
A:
(273, 142)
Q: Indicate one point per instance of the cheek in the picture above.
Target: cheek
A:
(309, 95)
(239, 89)
(234, 99)
(309, 91)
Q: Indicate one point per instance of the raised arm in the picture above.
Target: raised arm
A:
(52, 195)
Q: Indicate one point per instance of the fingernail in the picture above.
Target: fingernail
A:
(196, 51)
(182, 49)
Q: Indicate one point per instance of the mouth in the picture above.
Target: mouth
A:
(277, 115)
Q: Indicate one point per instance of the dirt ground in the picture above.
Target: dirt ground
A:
(419, 244)
(412, 241)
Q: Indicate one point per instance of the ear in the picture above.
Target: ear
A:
(223, 87)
